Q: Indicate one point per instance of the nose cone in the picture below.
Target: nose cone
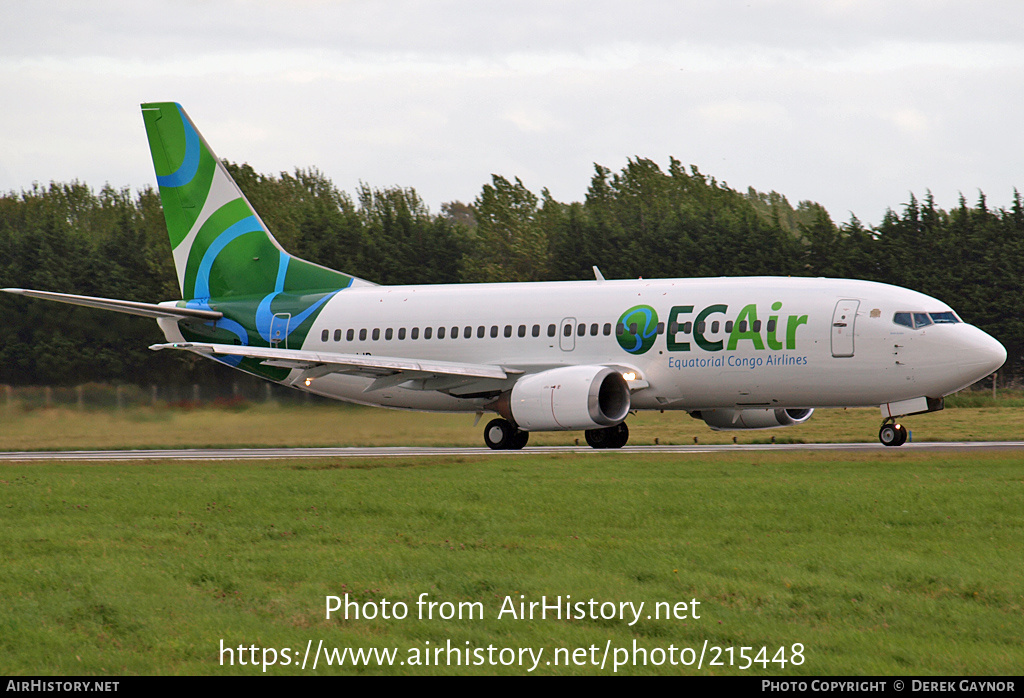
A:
(980, 354)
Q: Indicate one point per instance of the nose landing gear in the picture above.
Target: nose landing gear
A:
(892, 434)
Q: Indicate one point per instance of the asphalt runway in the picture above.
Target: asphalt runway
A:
(215, 454)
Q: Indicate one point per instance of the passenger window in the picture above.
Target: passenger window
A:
(508, 330)
(552, 330)
(743, 325)
(325, 335)
(771, 325)
(673, 327)
(536, 330)
(581, 330)
(620, 329)
(440, 332)
(632, 328)
(401, 333)
(337, 335)
(661, 328)
(714, 327)
(350, 335)
(567, 330)
(388, 334)
(728, 326)
(376, 334)
(687, 327)
(362, 335)
(481, 331)
(701, 326)
(593, 330)
(757, 326)
(522, 330)
(467, 332)
(455, 332)
(415, 333)
(607, 329)
(494, 331)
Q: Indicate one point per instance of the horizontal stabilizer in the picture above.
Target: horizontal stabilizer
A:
(357, 364)
(131, 307)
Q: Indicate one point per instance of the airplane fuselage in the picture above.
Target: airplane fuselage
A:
(693, 344)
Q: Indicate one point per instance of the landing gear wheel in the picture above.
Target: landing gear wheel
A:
(610, 437)
(621, 435)
(498, 434)
(502, 435)
(597, 438)
(893, 434)
(519, 440)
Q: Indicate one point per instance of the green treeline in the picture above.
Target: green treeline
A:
(642, 221)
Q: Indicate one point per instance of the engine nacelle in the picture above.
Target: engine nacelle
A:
(573, 397)
(729, 420)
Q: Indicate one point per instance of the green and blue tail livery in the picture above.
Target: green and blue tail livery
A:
(223, 252)
(222, 249)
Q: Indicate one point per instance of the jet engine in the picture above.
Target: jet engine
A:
(573, 397)
(729, 420)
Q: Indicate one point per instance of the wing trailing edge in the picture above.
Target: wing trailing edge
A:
(386, 371)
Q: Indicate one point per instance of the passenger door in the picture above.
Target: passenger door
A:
(843, 320)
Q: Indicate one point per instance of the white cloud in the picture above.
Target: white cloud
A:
(852, 104)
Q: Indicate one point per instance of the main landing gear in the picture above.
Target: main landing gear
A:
(892, 434)
(502, 435)
(611, 437)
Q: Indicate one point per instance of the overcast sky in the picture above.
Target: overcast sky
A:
(850, 103)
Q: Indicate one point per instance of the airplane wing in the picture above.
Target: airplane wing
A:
(386, 371)
(131, 307)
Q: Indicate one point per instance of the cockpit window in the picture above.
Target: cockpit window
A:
(944, 318)
(916, 321)
(905, 319)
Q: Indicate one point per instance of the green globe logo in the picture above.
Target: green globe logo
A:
(641, 329)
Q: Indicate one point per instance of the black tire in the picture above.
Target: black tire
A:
(903, 435)
(609, 437)
(889, 435)
(598, 438)
(620, 435)
(519, 440)
(499, 434)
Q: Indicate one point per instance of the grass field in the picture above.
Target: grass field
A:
(884, 563)
(347, 425)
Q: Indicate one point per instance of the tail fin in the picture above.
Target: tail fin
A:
(221, 246)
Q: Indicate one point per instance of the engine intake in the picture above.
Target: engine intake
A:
(730, 420)
(573, 397)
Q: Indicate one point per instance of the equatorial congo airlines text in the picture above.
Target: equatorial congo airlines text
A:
(737, 361)
(557, 608)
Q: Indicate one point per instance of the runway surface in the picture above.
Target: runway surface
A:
(218, 454)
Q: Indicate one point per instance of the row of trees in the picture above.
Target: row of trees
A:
(641, 221)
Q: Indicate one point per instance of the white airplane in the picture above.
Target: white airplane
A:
(739, 353)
